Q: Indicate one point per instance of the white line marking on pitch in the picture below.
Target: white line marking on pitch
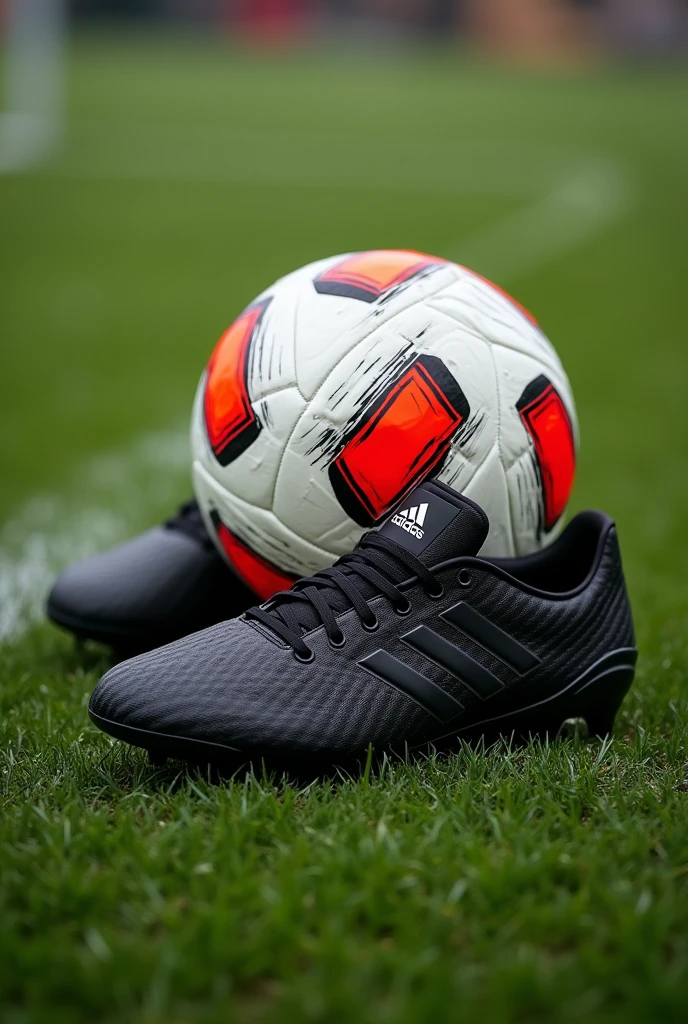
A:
(579, 207)
(50, 531)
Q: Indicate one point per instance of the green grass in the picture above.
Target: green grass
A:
(518, 885)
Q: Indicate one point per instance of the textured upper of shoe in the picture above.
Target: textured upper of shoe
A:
(239, 684)
(167, 582)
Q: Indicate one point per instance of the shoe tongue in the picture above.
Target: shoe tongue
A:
(437, 523)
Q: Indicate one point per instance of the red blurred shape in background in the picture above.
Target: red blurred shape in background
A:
(270, 22)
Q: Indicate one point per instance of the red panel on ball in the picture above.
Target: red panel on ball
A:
(368, 275)
(547, 421)
(229, 417)
(261, 576)
(399, 440)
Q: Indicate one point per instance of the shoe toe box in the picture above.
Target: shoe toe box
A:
(231, 687)
(185, 689)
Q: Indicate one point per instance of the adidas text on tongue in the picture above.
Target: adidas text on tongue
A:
(412, 519)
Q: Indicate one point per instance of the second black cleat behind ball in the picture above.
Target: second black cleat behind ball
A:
(150, 590)
(410, 640)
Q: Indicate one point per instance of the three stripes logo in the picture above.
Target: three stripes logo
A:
(412, 519)
(452, 659)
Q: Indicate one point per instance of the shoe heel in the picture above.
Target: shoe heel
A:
(594, 700)
(601, 722)
(601, 699)
(596, 705)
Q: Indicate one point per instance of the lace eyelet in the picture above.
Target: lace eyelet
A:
(370, 627)
(404, 610)
(465, 578)
(437, 594)
(305, 661)
(337, 644)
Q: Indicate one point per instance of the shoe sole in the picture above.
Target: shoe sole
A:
(540, 720)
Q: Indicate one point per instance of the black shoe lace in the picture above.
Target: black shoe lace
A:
(374, 566)
(188, 519)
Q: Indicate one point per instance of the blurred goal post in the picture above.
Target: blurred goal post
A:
(33, 44)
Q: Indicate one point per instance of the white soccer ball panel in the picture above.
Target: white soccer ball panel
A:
(305, 502)
(259, 529)
(319, 349)
(252, 475)
(515, 372)
(255, 471)
(271, 360)
(469, 360)
(486, 310)
(488, 488)
(525, 503)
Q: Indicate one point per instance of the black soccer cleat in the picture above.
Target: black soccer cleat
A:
(410, 640)
(164, 584)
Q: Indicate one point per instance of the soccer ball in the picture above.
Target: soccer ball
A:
(352, 379)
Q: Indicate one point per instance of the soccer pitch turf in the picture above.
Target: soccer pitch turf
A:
(518, 884)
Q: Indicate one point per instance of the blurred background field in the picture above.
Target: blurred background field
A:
(194, 168)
